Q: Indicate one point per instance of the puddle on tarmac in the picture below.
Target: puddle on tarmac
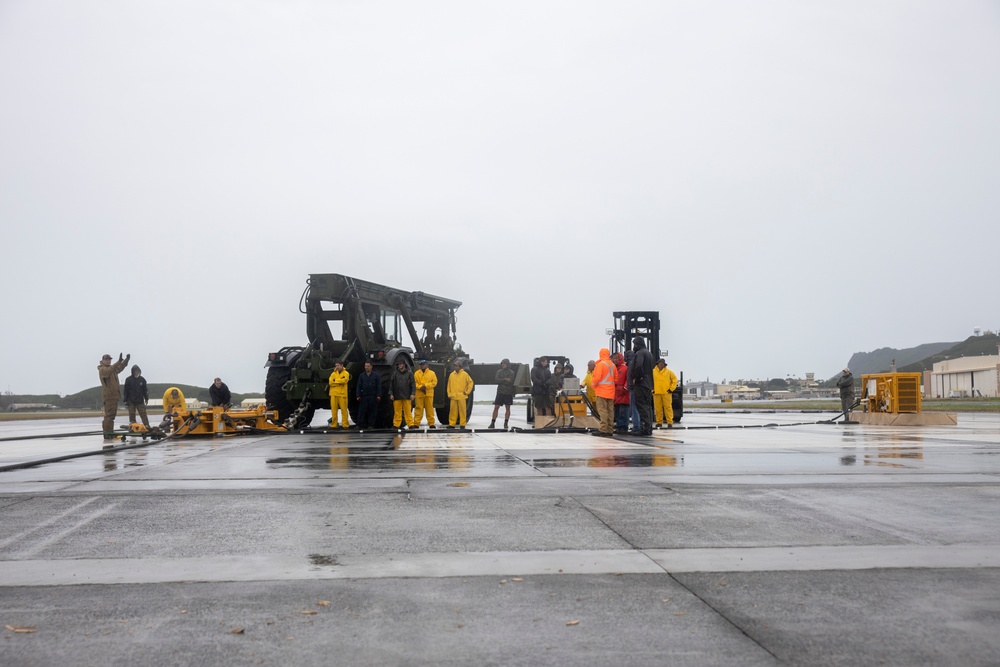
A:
(636, 460)
(348, 458)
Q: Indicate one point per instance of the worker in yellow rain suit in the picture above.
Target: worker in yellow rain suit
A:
(173, 399)
(587, 385)
(664, 384)
(459, 387)
(426, 380)
(339, 377)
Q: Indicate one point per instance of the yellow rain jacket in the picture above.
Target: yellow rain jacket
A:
(459, 385)
(425, 381)
(338, 383)
(588, 384)
(663, 380)
(169, 402)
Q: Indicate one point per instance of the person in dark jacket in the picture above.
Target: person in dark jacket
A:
(219, 394)
(540, 375)
(368, 393)
(402, 390)
(846, 385)
(555, 383)
(505, 393)
(640, 382)
(633, 411)
(136, 396)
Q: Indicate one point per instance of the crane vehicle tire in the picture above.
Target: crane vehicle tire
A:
(277, 376)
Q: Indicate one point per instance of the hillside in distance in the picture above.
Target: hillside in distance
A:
(90, 399)
(879, 361)
(973, 346)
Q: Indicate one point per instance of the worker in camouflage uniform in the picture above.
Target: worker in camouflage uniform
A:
(111, 390)
(846, 385)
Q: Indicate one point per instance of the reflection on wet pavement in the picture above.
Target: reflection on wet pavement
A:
(791, 449)
(612, 461)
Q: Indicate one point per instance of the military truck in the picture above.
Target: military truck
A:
(354, 321)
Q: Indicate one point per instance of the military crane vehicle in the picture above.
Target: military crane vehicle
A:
(355, 321)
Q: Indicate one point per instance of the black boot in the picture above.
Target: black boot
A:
(505, 424)
(493, 423)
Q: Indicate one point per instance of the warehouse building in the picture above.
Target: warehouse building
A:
(964, 377)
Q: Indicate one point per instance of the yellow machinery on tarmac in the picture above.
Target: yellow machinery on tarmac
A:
(218, 420)
(570, 409)
(894, 399)
(893, 393)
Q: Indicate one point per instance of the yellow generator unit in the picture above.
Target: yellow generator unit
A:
(892, 393)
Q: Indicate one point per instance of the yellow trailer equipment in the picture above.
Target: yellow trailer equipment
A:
(218, 420)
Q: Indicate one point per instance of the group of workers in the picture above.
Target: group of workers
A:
(622, 388)
(546, 384)
(411, 393)
(136, 394)
(627, 388)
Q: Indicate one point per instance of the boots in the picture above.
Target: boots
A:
(493, 423)
(505, 424)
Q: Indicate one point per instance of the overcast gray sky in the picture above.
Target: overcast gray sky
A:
(787, 182)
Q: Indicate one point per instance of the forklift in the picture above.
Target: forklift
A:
(645, 324)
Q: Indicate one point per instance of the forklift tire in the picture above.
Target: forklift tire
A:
(277, 376)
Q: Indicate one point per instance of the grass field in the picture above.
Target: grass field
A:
(52, 414)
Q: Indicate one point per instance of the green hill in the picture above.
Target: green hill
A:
(90, 399)
(973, 346)
(880, 360)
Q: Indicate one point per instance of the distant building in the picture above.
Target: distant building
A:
(701, 389)
(743, 393)
(964, 377)
(191, 403)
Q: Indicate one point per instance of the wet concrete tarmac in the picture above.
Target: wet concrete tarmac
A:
(738, 539)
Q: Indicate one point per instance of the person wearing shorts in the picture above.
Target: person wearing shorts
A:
(505, 393)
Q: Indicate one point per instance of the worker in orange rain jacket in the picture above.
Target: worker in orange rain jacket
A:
(604, 379)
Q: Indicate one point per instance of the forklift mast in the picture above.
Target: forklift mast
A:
(632, 323)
